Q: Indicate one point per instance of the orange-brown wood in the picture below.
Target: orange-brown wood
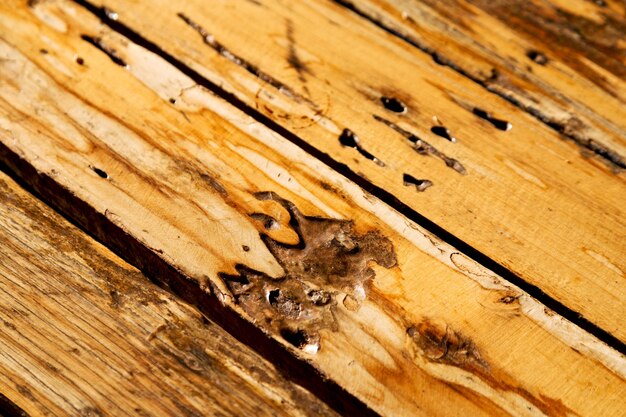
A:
(261, 235)
(525, 197)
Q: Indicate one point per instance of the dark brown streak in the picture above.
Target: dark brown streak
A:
(293, 58)
(243, 63)
(111, 53)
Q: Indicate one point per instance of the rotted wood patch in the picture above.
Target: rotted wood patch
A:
(329, 264)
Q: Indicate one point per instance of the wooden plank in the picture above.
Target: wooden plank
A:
(84, 333)
(250, 228)
(562, 60)
(524, 200)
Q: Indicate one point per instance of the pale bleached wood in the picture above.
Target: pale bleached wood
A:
(85, 334)
(529, 199)
(436, 334)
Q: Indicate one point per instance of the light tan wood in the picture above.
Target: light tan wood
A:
(84, 333)
(563, 60)
(199, 183)
(528, 199)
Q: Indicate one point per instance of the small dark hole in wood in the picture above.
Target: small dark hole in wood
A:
(420, 185)
(349, 139)
(443, 132)
(101, 173)
(43, 51)
(537, 57)
(393, 104)
(80, 61)
(438, 59)
(273, 295)
(297, 338)
(498, 123)
(245, 248)
(173, 100)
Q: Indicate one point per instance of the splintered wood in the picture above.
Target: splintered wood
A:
(84, 333)
(382, 234)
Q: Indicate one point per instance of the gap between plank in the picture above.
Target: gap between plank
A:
(609, 156)
(9, 409)
(97, 226)
(387, 197)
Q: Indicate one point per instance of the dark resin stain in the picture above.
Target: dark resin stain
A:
(330, 260)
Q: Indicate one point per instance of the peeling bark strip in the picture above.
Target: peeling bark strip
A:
(330, 264)
(557, 32)
(422, 147)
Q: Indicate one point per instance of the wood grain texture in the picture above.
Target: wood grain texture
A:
(525, 197)
(251, 224)
(562, 60)
(85, 334)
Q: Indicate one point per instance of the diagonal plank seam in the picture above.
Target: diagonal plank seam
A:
(9, 409)
(609, 156)
(168, 277)
(384, 195)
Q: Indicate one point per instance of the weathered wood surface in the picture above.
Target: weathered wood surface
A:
(237, 219)
(526, 197)
(562, 60)
(83, 333)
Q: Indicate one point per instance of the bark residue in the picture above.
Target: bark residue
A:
(330, 261)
